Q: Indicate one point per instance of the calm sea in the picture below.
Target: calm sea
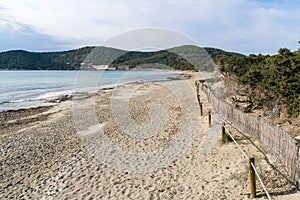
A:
(24, 89)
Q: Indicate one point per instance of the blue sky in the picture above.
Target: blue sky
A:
(246, 26)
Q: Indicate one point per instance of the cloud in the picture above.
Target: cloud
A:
(239, 25)
(18, 36)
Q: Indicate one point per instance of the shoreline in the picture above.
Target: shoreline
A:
(51, 161)
(53, 101)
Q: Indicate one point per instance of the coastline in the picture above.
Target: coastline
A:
(44, 157)
(50, 97)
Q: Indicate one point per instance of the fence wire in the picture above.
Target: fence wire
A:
(276, 140)
(261, 182)
(239, 147)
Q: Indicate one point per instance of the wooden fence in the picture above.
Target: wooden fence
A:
(276, 140)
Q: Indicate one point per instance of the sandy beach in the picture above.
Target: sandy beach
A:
(164, 149)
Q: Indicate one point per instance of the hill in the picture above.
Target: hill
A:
(183, 57)
(165, 58)
(23, 60)
(65, 60)
(271, 82)
(202, 58)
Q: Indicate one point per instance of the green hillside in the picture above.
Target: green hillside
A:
(65, 60)
(135, 59)
(23, 60)
(279, 74)
(202, 58)
(183, 58)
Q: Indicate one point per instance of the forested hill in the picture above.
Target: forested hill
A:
(185, 57)
(88, 56)
(65, 60)
(278, 74)
(215, 53)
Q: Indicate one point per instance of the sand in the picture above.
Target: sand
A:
(137, 141)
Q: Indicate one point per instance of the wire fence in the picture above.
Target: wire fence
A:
(276, 141)
(252, 165)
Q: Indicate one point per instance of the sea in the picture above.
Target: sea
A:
(26, 89)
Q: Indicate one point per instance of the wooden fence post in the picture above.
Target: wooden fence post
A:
(198, 98)
(209, 118)
(252, 179)
(201, 109)
(224, 138)
(197, 91)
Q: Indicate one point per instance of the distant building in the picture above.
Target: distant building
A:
(123, 67)
(100, 67)
(111, 68)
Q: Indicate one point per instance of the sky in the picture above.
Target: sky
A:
(244, 26)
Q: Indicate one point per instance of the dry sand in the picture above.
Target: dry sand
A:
(43, 156)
